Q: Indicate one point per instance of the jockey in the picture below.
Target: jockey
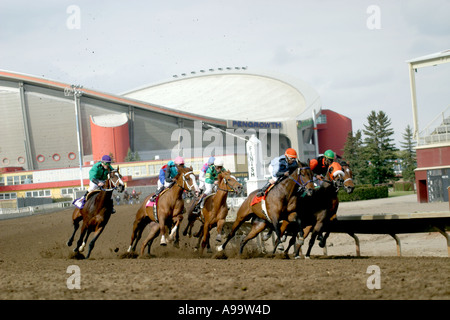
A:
(201, 176)
(319, 166)
(179, 161)
(210, 181)
(166, 175)
(98, 175)
(280, 167)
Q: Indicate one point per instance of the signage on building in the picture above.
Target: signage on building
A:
(255, 124)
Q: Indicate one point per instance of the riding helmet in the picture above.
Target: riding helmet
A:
(106, 158)
(291, 153)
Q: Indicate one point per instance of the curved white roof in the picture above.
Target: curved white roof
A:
(110, 120)
(233, 95)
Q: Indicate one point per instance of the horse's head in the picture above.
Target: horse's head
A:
(229, 182)
(348, 178)
(115, 180)
(305, 178)
(186, 179)
(336, 175)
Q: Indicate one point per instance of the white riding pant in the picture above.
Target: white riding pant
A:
(93, 186)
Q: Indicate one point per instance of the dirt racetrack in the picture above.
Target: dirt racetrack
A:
(35, 263)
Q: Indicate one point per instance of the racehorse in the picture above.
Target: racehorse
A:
(169, 211)
(215, 208)
(135, 195)
(278, 204)
(96, 212)
(321, 208)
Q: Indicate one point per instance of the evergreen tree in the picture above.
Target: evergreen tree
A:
(408, 155)
(352, 155)
(379, 150)
(132, 156)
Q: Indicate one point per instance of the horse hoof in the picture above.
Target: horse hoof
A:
(69, 243)
(267, 236)
(219, 238)
(280, 247)
(219, 248)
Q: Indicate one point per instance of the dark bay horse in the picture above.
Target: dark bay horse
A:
(215, 208)
(279, 204)
(96, 212)
(169, 211)
(321, 209)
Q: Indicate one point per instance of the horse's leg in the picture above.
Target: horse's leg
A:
(97, 234)
(200, 237)
(257, 227)
(220, 224)
(302, 239)
(317, 229)
(76, 225)
(134, 234)
(80, 240)
(205, 238)
(282, 229)
(240, 219)
(154, 231)
(162, 231)
(88, 233)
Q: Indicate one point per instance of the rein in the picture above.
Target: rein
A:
(185, 182)
(300, 178)
(228, 186)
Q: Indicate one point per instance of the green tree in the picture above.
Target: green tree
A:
(408, 155)
(352, 155)
(379, 150)
(132, 156)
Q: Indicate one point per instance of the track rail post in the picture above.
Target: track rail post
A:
(358, 249)
(446, 236)
(399, 246)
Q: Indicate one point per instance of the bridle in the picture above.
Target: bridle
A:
(301, 183)
(115, 184)
(229, 186)
(185, 181)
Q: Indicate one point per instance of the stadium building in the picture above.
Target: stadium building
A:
(53, 128)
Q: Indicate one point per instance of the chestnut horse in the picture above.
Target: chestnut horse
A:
(96, 212)
(169, 211)
(215, 208)
(321, 208)
(278, 205)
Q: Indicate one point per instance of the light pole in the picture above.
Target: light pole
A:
(77, 93)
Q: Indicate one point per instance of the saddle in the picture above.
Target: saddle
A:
(257, 199)
(80, 202)
(154, 204)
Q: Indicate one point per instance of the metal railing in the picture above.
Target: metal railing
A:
(437, 131)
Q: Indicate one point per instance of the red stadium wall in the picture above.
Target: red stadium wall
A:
(333, 134)
(106, 140)
(428, 159)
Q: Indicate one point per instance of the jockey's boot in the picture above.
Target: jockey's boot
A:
(263, 190)
(153, 198)
(112, 207)
(199, 204)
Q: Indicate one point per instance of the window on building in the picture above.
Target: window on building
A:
(8, 196)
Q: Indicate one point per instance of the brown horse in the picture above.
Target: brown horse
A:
(170, 206)
(320, 209)
(96, 212)
(278, 205)
(215, 208)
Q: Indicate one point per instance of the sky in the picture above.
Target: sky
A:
(353, 53)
